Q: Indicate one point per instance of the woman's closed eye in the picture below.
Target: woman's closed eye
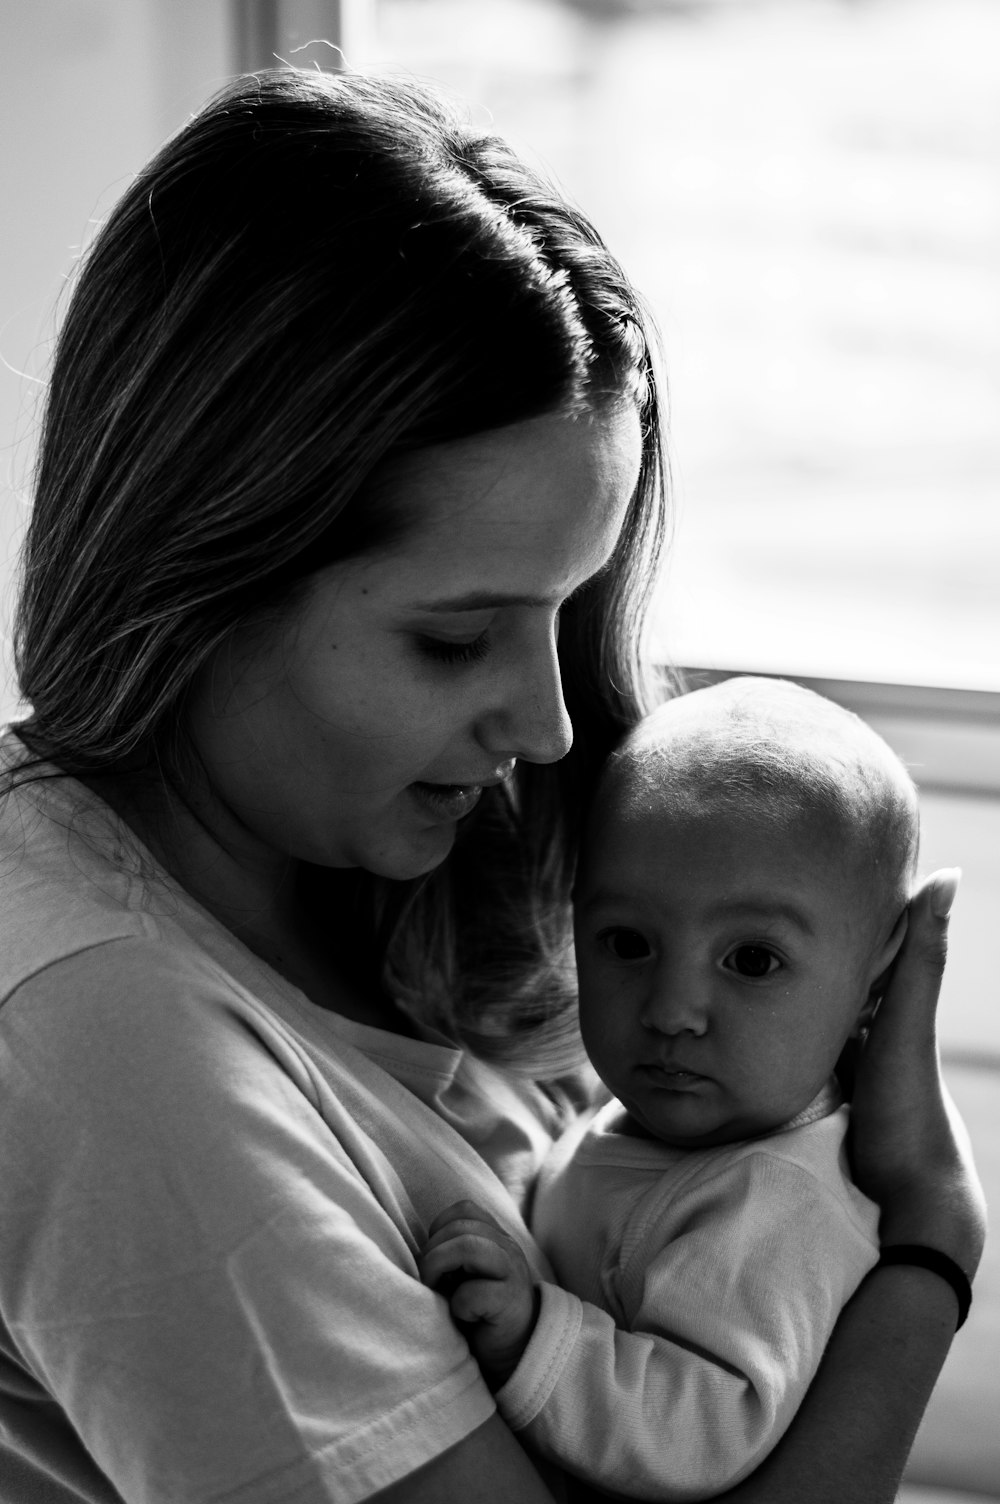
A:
(752, 961)
(625, 944)
(447, 650)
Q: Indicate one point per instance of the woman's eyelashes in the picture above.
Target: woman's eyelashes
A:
(445, 650)
(474, 647)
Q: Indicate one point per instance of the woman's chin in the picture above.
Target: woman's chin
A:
(411, 855)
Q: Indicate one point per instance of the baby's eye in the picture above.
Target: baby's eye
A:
(752, 961)
(625, 944)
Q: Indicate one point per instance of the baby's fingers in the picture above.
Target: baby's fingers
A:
(478, 1300)
(466, 1252)
(461, 1211)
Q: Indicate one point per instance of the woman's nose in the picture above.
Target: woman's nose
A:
(531, 721)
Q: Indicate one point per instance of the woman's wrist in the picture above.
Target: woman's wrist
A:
(919, 1256)
(946, 1213)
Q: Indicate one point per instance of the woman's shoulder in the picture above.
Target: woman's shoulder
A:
(93, 935)
(68, 883)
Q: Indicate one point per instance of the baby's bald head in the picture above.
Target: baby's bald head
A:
(755, 749)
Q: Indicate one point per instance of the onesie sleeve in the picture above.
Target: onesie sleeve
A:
(731, 1294)
(212, 1284)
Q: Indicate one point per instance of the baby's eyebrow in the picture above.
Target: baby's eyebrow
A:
(753, 909)
(601, 898)
(763, 910)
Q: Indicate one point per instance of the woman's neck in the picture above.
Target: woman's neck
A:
(249, 888)
(258, 896)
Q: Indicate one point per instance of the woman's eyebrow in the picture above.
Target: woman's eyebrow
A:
(483, 600)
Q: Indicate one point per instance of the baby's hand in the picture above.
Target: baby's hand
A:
(470, 1259)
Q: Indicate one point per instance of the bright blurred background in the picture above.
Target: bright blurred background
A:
(809, 196)
(808, 193)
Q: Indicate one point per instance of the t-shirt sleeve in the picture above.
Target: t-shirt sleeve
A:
(731, 1292)
(193, 1263)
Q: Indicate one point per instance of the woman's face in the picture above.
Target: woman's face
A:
(359, 730)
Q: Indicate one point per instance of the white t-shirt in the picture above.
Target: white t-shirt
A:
(212, 1196)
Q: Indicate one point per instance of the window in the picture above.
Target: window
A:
(809, 196)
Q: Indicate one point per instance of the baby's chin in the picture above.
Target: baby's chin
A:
(711, 1136)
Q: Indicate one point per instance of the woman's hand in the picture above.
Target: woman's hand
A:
(484, 1275)
(909, 1149)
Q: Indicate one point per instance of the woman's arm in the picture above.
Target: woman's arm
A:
(850, 1440)
(488, 1467)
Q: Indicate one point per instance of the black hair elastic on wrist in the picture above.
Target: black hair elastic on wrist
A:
(937, 1263)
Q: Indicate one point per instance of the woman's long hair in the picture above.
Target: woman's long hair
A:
(317, 274)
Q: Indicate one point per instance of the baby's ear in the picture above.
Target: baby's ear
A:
(881, 969)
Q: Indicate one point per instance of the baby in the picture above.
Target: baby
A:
(741, 897)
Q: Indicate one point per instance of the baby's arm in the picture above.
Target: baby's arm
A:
(721, 1348)
(485, 1276)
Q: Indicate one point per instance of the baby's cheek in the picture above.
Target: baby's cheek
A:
(600, 1028)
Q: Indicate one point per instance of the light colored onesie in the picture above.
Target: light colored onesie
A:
(212, 1198)
(712, 1280)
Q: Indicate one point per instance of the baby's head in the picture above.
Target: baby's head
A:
(741, 895)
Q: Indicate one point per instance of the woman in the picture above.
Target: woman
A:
(347, 507)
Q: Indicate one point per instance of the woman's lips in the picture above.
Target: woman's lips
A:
(451, 801)
(447, 801)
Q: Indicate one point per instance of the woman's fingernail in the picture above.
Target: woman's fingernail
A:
(944, 890)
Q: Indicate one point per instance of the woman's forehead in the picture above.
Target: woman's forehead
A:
(526, 504)
(597, 442)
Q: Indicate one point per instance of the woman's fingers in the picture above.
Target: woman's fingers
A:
(909, 1151)
(916, 977)
(900, 1050)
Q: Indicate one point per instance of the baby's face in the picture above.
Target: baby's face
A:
(722, 966)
